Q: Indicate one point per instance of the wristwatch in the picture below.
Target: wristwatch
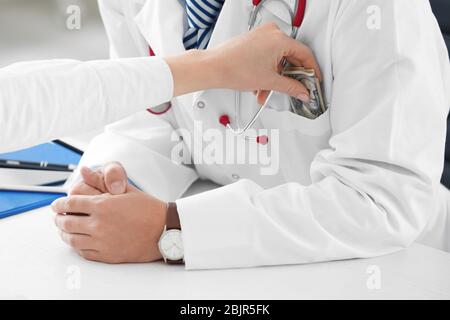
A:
(171, 243)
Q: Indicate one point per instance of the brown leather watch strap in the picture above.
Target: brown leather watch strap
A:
(172, 217)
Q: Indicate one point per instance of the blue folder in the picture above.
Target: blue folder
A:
(12, 202)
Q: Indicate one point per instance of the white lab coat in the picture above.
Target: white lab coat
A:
(362, 180)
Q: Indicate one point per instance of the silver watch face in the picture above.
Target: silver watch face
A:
(171, 245)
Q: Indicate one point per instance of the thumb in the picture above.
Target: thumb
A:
(116, 179)
(292, 87)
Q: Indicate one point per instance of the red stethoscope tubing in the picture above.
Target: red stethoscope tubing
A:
(300, 14)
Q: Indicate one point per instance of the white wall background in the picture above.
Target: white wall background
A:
(36, 29)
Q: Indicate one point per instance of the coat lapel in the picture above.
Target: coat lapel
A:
(280, 9)
(161, 23)
(233, 21)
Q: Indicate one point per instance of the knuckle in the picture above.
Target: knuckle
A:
(70, 203)
(57, 206)
(308, 54)
(77, 188)
(99, 168)
(291, 90)
(99, 173)
(72, 241)
(95, 227)
(67, 225)
(102, 205)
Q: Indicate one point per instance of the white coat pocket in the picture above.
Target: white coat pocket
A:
(289, 121)
(299, 141)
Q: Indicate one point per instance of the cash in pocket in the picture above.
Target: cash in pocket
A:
(316, 106)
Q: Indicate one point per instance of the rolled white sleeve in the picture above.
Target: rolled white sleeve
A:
(44, 100)
(375, 187)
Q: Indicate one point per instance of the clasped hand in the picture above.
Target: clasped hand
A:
(106, 219)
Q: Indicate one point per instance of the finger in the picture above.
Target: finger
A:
(300, 55)
(81, 188)
(292, 87)
(75, 204)
(262, 96)
(91, 255)
(78, 241)
(94, 179)
(73, 224)
(115, 178)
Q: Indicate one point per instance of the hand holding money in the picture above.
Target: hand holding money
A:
(248, 62)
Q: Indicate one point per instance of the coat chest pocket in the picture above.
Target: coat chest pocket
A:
(289, 121)
(299, 141)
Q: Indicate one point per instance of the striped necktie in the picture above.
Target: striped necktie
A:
(202, 16)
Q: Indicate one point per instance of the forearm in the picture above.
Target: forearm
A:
(243, 225)
(45, 100)
(195, 70)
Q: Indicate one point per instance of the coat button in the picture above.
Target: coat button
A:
(235, 176)
(201, 104)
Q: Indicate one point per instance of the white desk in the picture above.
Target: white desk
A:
(35, 263)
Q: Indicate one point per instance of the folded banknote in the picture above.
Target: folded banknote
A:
(316, 106)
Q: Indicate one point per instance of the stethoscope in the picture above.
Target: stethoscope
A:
(240, 130)
(297, 19)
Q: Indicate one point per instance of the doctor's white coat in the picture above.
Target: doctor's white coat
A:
(362, 180)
